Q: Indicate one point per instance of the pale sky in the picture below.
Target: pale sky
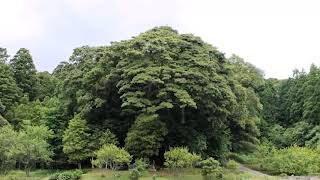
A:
(275, 35)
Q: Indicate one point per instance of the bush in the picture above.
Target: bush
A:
(154, 177)
(67, 175)
(295, 161)
(112, 156)
(141, 165)
(291, 161)
(210, 168)
(134, 174)
(54, 176)
(232, 165)
(180, 158)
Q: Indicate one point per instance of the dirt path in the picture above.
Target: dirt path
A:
(242, 168)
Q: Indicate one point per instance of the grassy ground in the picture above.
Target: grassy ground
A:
(190, 174)
(97, 174)
(21, 175)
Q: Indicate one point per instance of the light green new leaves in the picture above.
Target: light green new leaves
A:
(111, 156)
(180, 157)
(76, 139)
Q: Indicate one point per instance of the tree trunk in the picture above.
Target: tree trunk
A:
(92, 166)
(79, 165)
(27, 169)
(183, 121)
(154, 166)
(27, 172)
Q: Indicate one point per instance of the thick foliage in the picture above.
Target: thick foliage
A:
(158, 90)
(161, 80)
(291, 109)
(247, 83)
(145, 137)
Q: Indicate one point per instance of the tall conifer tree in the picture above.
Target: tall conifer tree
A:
(25, 73)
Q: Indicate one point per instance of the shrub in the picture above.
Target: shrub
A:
(67, 175)
(54, 176)
(232, 165)
(134, 174)
(141, 165)
(180, 158)
(295, 161)
(291, 161)
(210, 168)
(154, 177)
(112, 156)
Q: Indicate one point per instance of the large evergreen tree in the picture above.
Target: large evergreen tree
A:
(25, 73)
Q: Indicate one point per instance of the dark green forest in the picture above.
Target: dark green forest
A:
(155, 91)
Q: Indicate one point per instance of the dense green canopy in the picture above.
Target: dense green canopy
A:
(173, 83)
(157, 91)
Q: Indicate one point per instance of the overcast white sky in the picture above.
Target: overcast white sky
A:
(275, 35)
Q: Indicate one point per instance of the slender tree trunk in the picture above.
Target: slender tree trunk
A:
(79, 165)
(27, 172)
(27, 169)
(183, 121)
(92, 163)
(154, 166)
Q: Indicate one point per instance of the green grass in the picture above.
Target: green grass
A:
(21, 175)
(101, 174)
(187, 174)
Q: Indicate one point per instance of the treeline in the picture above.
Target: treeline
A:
(158, 90)
(291, 109)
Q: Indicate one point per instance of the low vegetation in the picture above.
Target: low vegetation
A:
(287, 161)
(100, 174)
(210, 169)
(67, 175)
